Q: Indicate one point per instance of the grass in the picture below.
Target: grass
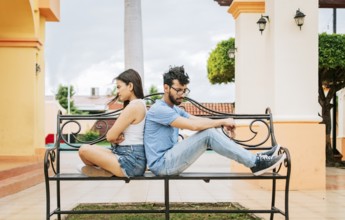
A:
(160, 206)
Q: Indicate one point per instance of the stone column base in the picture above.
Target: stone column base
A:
(37, 157)
(306, 143)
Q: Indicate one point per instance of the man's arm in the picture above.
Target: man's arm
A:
(195, 123)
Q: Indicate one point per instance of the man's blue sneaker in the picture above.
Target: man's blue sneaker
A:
(265, 163)
(272, 152)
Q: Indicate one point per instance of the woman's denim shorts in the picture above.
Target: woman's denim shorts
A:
(131, 158)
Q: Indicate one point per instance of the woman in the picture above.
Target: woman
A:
(126, 158)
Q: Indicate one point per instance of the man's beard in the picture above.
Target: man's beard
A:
(174, 101)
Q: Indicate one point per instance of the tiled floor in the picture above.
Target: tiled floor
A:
(316, 205)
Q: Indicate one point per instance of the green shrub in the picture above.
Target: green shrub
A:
(88, 136)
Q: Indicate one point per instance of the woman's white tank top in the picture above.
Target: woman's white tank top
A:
(134, 133)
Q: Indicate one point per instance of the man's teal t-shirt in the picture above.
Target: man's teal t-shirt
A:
(159, 136)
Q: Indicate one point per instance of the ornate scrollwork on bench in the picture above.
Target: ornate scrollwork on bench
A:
(50, 161)
(255, 138)
(102, 123)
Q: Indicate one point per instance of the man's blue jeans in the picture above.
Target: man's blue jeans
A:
(185, 152)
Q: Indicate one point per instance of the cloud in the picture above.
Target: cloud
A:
(86, 48)
(98, 75)
(104, 71)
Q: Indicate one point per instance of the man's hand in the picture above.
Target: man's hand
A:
(230, 127)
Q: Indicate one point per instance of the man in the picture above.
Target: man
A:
(166, 156)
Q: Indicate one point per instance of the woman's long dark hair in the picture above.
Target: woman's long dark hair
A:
(130, 76)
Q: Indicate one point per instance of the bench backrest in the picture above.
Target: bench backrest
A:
(255, 131)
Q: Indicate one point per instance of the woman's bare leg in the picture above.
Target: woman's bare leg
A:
(94, 155)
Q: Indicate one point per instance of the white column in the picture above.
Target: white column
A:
(341, 113)
(134, 55)
(254, 83)
(294, 59)
(279, 69)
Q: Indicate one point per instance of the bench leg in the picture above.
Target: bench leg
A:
(273, 197)
(287, 185)
(287, 202)
(166, 198)
(47, 199)
(58, 201)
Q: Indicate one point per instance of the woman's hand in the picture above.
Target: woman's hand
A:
(120, 139)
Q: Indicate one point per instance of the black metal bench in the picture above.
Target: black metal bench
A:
(255, 141)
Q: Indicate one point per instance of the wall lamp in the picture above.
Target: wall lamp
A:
(262, 22)
(231, 52)
(299, 18)
(38, 68)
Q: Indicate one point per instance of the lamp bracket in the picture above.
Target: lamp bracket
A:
(267, 17)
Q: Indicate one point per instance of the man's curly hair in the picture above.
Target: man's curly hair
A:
(177, 73)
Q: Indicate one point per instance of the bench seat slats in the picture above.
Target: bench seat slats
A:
(186, 175)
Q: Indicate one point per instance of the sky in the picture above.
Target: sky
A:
(86, 48)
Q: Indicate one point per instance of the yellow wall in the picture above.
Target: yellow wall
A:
(16, 19)
(22, 31)
(17, 95)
